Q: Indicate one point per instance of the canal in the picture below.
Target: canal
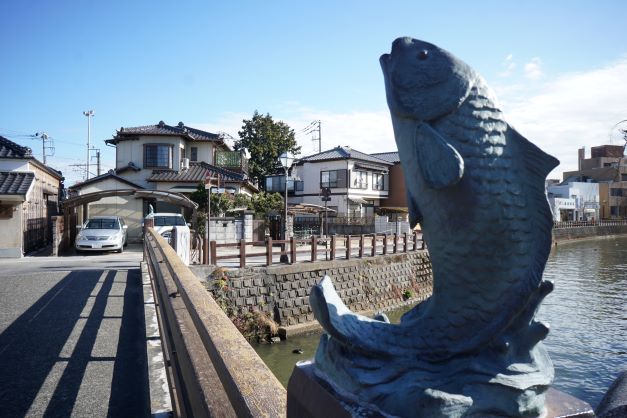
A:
(586, 311)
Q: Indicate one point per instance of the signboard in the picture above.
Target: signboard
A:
(325, 194)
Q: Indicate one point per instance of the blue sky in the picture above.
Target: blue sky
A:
(559, 68)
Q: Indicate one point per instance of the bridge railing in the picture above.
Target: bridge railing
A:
(577, 224)
(212, 369)
(334, 247)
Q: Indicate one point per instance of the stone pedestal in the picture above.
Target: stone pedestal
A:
(310, 397)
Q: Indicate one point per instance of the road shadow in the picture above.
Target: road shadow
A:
(38, 363)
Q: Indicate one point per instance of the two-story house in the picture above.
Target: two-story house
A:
(29, 196)
(161, 157)
(357, 182)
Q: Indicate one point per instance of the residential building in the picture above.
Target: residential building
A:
(608, 167)
(574, 201)
(169, 159)
(395, 205)
(29, 197)
(357, 182)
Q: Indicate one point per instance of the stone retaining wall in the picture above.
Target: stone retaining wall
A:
(564, 234)
(365, 285)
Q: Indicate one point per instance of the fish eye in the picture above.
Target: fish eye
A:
(422, 55)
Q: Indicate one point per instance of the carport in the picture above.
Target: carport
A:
(70, 215)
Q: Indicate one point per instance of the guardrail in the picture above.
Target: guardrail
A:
(212, 369)
(576, 224)
(332, 247)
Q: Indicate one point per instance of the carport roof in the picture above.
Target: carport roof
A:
(174, 198)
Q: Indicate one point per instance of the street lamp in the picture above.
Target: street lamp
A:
(90, 114)
(286, 160)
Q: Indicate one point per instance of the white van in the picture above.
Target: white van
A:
(165, 222)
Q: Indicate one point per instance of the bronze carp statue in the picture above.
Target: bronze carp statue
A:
(477, 187)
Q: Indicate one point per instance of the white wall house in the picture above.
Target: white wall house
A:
(357, 181)
(173, 159)
(574, 201)
(29, 196)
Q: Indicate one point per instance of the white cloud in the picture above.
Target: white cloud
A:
(560, 115)
(366, 131)
(508, 66)
(570, 111)
(533, 69)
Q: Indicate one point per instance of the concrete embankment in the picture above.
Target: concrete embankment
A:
(366, 285)
(581, 232)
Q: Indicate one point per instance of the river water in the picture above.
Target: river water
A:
(587, 313)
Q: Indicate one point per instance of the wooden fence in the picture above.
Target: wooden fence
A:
(333, 247)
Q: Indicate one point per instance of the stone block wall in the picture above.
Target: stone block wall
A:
(365, 285)
(230, 230)
(563, 234)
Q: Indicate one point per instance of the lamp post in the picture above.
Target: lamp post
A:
(90, 114)
(286, 160)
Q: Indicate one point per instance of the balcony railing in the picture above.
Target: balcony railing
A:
(232, 160)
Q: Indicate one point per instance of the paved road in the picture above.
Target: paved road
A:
(72, 337)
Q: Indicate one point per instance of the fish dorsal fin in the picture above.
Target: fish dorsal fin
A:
(538, 163)
(440, 164)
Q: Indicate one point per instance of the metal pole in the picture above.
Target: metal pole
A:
(284, 258)
(89, 114)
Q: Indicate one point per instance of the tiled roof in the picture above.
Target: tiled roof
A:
(15, 182)
(342, 153)
(391, 157)
(196, 173)
(9, 149)
(163, 129)
(105, 176)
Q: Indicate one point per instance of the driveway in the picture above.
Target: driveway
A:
(72, 336)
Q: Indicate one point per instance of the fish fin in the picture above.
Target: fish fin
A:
(538, 162)
(440, 163)
(538, 165)
(357, 332)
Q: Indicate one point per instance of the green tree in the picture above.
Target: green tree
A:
(200, 197)
(263, 202)
(265, 140)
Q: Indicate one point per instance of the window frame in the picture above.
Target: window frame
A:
(360, 175)
(376, 185)
(329, 183)
(153, 162)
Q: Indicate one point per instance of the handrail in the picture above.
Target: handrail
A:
(376, 244)
(214, 370)
(577, 224)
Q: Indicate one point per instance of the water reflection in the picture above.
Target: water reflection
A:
(586, 311)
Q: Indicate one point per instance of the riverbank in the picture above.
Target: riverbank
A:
(587, 231)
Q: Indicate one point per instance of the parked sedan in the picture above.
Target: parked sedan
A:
(102, 233)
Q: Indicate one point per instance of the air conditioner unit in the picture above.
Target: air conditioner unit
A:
(184, 163)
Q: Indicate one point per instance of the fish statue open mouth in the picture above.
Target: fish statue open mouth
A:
(477, 187)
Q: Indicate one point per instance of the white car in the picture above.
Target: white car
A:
(102, 233)
(165, 222)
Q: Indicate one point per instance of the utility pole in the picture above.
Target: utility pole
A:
(319, 138)
(45, 138)
(97, 161)
(90, 114)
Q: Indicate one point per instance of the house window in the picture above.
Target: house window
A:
(275, 184)
(193, 154)
(333, 178)
(158, 156)
(616, 192)
(378, 181)
(360, 179)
